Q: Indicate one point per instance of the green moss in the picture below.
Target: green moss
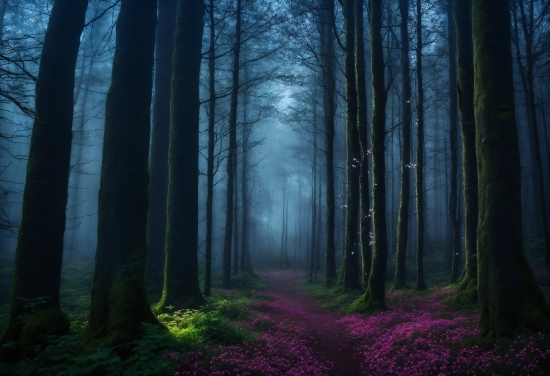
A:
(128, 309)
(466, 295)
(366, 304)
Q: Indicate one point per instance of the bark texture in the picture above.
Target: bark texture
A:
(351, 256)
(467, 288)
(158, 164)
(509, 296)
(376, 290)
(35, 312)
(119, 301)
(404, 193)
(181, 271)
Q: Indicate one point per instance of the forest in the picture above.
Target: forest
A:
(274, 187)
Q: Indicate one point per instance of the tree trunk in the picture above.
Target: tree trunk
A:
(467, 289)
(364, 223)
(313, 243)
(403, 219)
(453, 130)
(376, 290)
(232, 152)
(181, 273)
(35, 312)
(328, 100)
(353, 153)
(509, 296)
(420, 284)
(210, 157)
(158, 164)
(119, 301)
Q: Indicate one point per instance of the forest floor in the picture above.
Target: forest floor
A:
(330, 340)
(280, 324)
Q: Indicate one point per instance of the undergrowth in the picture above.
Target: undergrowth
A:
(219, 322)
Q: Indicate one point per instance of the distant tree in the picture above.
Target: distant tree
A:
(467, 289)
(119, 301)
(404, 193)
(527, 74)
(509, 296)
(329, 90)
(210, 150)
(35, 312)
(420, 284)
(181, 270)
(158, 164)
(232, 155)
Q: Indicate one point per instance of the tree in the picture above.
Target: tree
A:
(420, 284)
(351, 257)
(509, 297)
(181, 270)
(453, 130)
(35, 312)
(210, 151)
(119, 301)
(232, 153)
(365, 222)
(374, 298)
(327, 45)
(467, 288)
(158, 165)
(528, 82)
(403, 219)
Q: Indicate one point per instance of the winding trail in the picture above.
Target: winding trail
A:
(330, 338)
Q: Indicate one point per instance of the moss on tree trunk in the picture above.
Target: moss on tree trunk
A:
(119, 301)
(509, 297)
(467, 288)
(403, 219)
(35, 312)
(351, 256)
(374, 298)
(158, 166)
(327, 42)
(181, 270)
(365, 222)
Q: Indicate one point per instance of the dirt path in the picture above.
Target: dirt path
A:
(330, 339)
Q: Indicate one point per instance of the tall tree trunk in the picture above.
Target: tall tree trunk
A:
(246, 263)
(509, 296)
(353, 153)
(376, 290)
(210, 157)
(78, 155)
(119, 301)
(328, 101)
(313, 243)
(35, 312)
(467, 289)
(232, 151)
(283, 228)
(453, 130)
(403, 219)
(364, 224)
(181, 272)
(420, 284)
(158, 164)
(235, 216)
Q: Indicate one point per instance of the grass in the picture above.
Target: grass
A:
(220, 322)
